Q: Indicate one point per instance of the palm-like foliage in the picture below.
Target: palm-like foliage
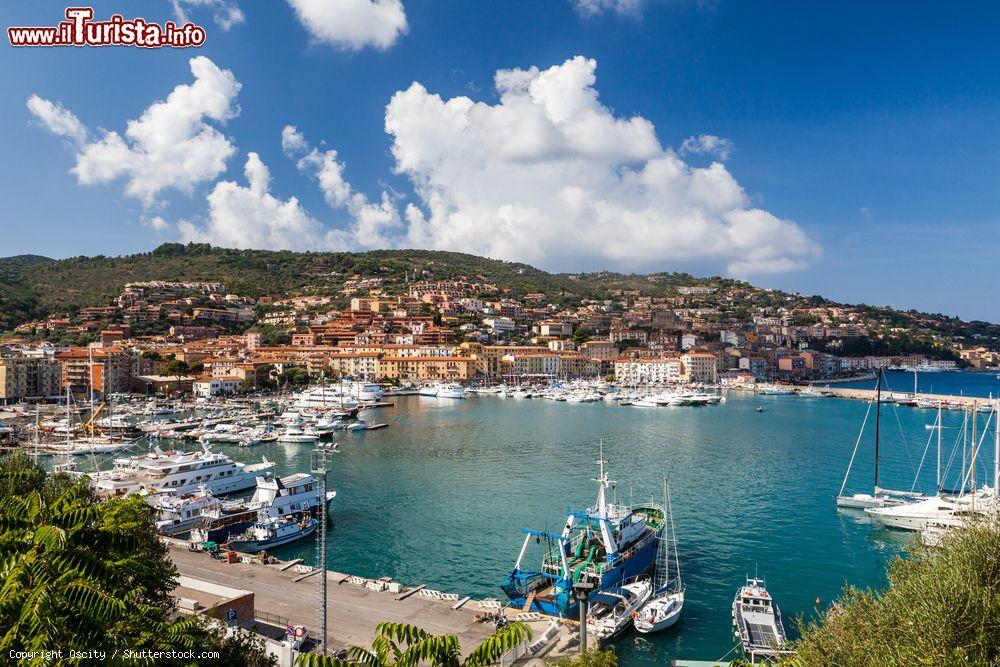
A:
(401, 645)
(79, 574)
(54, 583)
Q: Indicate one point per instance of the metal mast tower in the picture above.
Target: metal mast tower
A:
(320, 465)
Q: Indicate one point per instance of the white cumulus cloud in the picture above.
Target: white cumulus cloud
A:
(352, 24)
(595, 7)
(58, 119)
(171, 145)
(708, 144)
(225, 12)
(550, 175)
(251, 217)
(373, 225)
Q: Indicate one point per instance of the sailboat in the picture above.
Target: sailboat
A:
(944, 510)
(665, 606)
(879, 497)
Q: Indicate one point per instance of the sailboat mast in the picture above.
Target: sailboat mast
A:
(996, 447)
(878, 419)
(939, 448)
(666, 542)
(973, 453)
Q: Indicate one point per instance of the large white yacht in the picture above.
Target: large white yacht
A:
(442, 390)
(297, 494)
(345, 396)
(178, 472)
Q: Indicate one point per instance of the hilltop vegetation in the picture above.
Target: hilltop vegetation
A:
(32, 287)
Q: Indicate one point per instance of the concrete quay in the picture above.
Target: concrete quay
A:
(288, 593)
(946, 399)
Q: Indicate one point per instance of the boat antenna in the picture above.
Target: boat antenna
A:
(603, 483)
(878, 417)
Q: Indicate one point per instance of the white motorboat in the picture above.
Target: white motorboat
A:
(945, 511)
(179, 513)
(295, 435)
(644, 403)
(757, 621)
(299, 494)
(344, 396)
(451, 390)
(812, 393)
(664, 607)
(612, 610)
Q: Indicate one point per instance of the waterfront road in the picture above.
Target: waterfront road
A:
(353, 611)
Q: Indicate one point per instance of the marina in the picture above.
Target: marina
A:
(454, 459)
(772, 478)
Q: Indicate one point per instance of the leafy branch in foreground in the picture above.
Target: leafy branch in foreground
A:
(401, 645)
(942, 607)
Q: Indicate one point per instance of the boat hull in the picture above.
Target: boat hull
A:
(253, 546)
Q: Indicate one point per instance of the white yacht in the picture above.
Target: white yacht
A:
(943, 511)
(294, 434)
(879, 497)
(451, 390)
(344, 396)
(299, 494)
(613, 610)
(177, 472)
(927, 368)
(180, 513)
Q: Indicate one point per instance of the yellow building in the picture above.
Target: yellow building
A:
(457, 369)
(700, 367)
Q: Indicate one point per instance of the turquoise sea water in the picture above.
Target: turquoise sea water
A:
(441, 495)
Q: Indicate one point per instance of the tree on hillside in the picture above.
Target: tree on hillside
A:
(177, 367)
(942, 607)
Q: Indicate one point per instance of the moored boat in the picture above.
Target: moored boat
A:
(613, 611)
(606, 545)
(664, 607)
(757, 621)
(271, 533)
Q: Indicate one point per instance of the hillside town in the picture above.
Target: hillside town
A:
(461, 330)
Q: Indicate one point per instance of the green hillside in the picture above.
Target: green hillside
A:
(32, 287)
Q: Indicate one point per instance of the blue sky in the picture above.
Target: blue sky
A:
(854, 144)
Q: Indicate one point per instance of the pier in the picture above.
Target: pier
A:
(869, 395)
(283, 592)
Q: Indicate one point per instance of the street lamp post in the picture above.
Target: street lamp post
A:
(321, 467)
(583, 590)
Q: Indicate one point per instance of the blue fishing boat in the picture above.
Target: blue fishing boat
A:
(605, 545)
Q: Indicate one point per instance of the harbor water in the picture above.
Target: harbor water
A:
(441, 495)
